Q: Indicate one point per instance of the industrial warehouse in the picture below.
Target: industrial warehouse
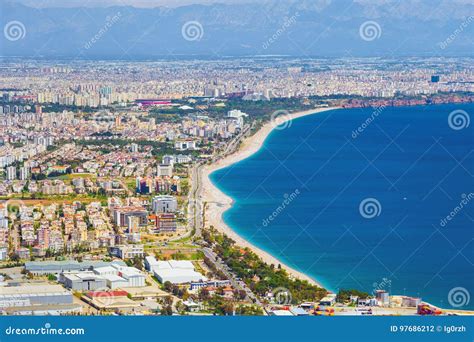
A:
(37, 299)
(174, 271)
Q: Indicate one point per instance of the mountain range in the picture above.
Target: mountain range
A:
(304, 28)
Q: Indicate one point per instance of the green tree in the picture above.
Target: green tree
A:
(167, 310)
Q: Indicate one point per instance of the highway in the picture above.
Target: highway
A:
(237, 284)
(195, 200)
(195, 208)
(196, 213)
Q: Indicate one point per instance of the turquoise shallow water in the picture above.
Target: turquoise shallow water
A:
(299, 198)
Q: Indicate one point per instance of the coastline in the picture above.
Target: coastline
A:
(218, 202)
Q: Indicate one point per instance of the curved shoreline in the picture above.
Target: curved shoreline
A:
(218, 202)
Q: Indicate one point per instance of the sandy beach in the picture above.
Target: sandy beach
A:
(218, 202)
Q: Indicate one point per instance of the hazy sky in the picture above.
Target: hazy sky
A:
(135, 3)
(178, 3)
(322, 28)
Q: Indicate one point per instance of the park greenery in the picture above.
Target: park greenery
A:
(261, 277)
(344, 295)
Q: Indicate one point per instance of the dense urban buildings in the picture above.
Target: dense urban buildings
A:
(100, 189)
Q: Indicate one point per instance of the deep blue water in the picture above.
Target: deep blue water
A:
(409, 159)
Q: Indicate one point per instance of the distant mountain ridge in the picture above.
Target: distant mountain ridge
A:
(295, 27)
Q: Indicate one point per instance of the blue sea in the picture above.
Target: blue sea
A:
(367, 199)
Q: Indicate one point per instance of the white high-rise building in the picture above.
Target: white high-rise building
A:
(11, 173)
(164, 204)
(24, 173)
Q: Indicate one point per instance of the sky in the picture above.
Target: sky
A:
(248, 27)
(135, 3)
(178, 3)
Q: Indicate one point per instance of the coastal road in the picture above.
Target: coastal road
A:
(196, 223)
(195, 199)
(195, 207)
(196, 213)
(233, 144)
(221, 266)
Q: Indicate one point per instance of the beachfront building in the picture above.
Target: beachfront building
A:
(410, 302)
(329, 300)
(280, 313)
(383, 297)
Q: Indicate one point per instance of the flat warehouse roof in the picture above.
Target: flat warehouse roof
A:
(33, 290)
